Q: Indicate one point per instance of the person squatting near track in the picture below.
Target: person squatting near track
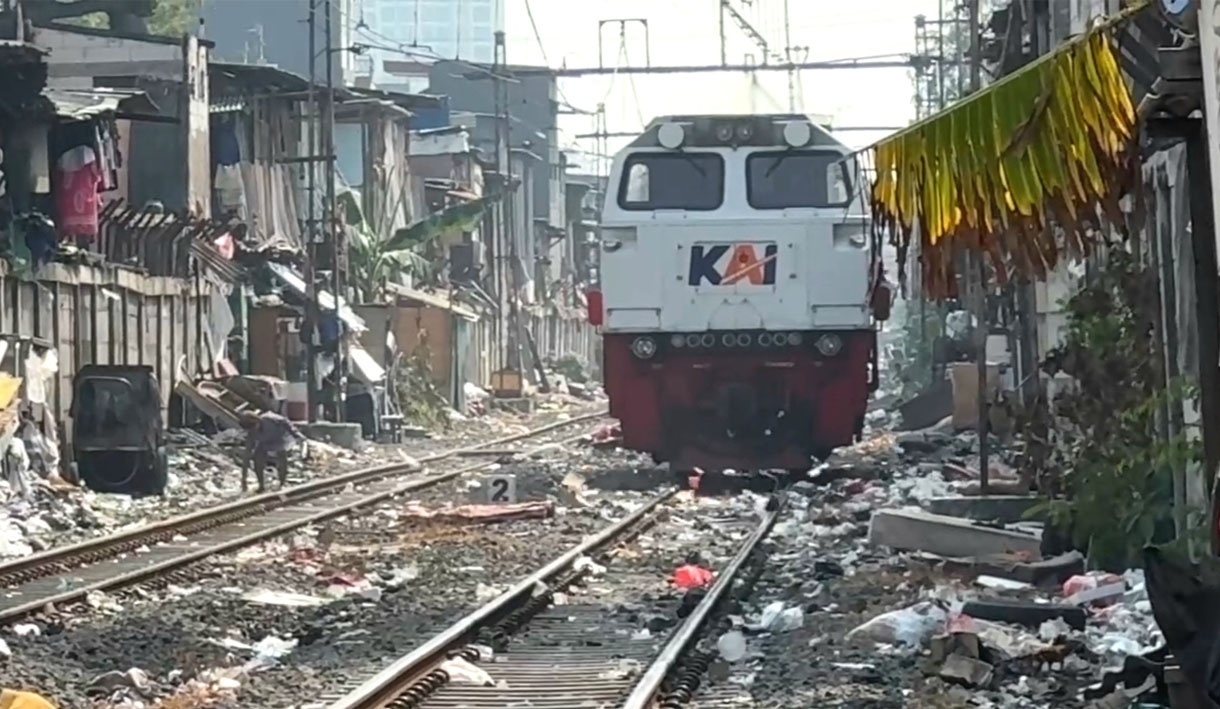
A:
(268, 435)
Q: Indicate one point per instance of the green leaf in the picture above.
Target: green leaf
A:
(459, 217)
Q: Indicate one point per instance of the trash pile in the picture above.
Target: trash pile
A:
(895, 581)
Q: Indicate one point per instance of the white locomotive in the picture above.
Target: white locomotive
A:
(738, 279)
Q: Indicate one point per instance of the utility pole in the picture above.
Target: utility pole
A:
(328, 212)
(507, 280)
(311, 224)
(982, 329)
(788, 56)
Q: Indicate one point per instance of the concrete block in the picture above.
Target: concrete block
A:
(966, 671)
(915, 530)
(1000, 508)
(344, 435)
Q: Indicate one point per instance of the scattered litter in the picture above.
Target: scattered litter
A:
(732, 646)
(268, 650)
(996, 583)
(778, 619)
(625, 669)
(909, 626)
(587, 565)
(691, 576)
(461, 670)
(268, 597)
(26, 629)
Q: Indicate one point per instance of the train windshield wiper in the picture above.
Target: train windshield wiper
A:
(778, 161)
(693, 163)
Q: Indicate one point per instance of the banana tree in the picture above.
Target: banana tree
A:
(377, 257)
(1051, 145)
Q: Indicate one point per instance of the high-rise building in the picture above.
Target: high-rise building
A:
(422, 30)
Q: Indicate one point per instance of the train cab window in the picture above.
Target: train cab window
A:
(788, 179)
(693, 181)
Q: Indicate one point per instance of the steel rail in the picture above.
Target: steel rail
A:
(645, 692)
(59, 558)
(385, 686)
(153, 570)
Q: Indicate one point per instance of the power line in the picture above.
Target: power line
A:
(529, 12)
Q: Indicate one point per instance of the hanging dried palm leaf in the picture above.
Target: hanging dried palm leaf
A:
(1051, 144)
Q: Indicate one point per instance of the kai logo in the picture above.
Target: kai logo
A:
(732, 264)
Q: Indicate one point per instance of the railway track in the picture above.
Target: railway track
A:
(115, 561)
(547, 656)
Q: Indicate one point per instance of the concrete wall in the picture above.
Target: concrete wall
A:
(76, 57)
(108, 316)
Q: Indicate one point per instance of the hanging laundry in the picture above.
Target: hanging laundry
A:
(225, 245)
(230, 190)
(226, 148)
(76, 192)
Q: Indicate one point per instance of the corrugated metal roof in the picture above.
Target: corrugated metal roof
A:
(86, 103)
(289, 277)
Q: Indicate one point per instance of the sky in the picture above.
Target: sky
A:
(687, 32)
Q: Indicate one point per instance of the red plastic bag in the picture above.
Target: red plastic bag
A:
(691, 576)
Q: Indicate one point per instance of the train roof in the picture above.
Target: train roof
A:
(821, 136)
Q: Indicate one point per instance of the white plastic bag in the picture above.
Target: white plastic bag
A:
(911, 626)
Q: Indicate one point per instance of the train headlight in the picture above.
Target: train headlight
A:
(671, 136)
(794, 338)
(797, 134)
(724, 132)
(745, 131)
(764, 339)
(677, 340)
(728, 340)
(693, 341)
(707, 340)
(744, 340)
(829, 345)
(644, 347)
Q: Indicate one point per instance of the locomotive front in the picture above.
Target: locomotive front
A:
(736, 283)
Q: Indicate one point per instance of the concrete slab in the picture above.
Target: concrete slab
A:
(916, 530)
(1000, 508)
(344, 435)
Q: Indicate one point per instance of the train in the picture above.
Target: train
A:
(739, 295)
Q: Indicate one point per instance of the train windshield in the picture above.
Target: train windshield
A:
(787, 179)
(693, 181)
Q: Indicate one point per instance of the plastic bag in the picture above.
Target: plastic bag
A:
(691, 576)
(777, 619)
(911, 626)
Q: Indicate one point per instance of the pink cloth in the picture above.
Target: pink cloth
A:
(76, 194)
